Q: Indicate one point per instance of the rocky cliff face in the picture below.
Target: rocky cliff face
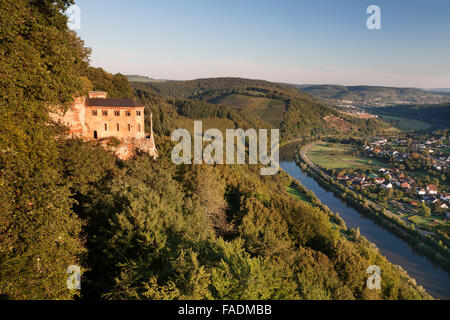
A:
(128, 147)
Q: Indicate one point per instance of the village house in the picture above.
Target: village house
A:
(98, 117)
(380, 141)
(340, 176)
(445, 197)
(421, 192)
(432, 189)
(405, 185)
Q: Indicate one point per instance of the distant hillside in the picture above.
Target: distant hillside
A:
(444, 91)
(436, 115)
(195, 88)
(257, 102)
(372, 95)
(137, 78)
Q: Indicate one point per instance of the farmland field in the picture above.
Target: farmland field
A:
(339, 156)
(406, 124)
(426, 221)
(250, 102)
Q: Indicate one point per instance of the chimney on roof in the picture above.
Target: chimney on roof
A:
(98, 94)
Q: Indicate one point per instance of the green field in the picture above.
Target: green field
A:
(296, 194)
(339, 156)
(406, 124)
(249, 102)
(426, 221)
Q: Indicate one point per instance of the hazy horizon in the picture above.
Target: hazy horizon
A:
(289, 83)
(326, 42)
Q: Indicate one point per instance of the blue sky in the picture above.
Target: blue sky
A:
(303, 41)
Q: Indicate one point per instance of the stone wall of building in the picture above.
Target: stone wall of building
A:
(126, 122)
(128, 147)
(120, 122)
(98, 94)
(74, 117)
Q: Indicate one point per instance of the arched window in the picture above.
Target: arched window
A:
(129, 127)
(118, 127)
(106, 127)
(139, 127)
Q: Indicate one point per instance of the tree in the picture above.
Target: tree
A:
(357, 234)
(424, 210)
(264, 231)
(116, 85)
(208, 188)
(238, 276)
(40, 61)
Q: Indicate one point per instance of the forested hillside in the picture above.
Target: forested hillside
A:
(437, 115)
(41, 62)
(373, 94)
(146, 229)
(293, 111)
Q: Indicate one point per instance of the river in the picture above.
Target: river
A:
(433, 278)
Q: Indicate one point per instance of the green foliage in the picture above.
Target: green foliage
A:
(424, 210)
(264, 231)
(149, 236)
(146, 229)
(238, 276)
(296, 113)
(317, 278)
(40, 62)
(116, 85)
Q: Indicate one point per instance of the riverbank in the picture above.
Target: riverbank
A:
(421, 243)
(400, 254)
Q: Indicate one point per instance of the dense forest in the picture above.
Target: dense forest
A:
(146, 229)
(261, 104)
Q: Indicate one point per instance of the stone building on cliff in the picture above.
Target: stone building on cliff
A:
(100, 118)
